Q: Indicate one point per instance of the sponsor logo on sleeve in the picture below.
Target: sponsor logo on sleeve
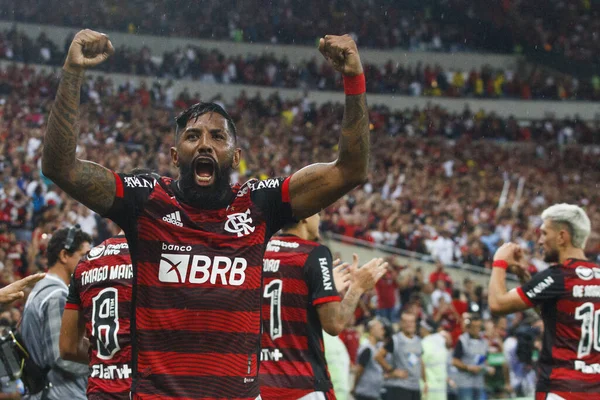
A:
(540, 287)
(137, 182)
(266, 184)
(326, 275)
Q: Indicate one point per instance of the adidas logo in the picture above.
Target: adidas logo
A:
(173, 218)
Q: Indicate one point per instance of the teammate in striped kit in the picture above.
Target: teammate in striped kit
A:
(99, 308)
(568, 295)
(197, 275)
(300, 300)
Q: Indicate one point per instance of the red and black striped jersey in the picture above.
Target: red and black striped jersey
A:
(101, 290)
(197, 285)
(297, 278)
(569, 298)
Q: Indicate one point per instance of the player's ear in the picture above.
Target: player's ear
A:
(237, 157)
(63, 256)
(564, 238)
(175, 156)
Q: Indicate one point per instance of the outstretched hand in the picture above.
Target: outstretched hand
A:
(15, 290)
(342, 273)
(365, 277)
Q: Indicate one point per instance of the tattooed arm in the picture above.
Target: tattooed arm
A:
(335, 316)
(85, 181)
(316, 186)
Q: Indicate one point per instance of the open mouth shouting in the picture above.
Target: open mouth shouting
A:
(205, 169)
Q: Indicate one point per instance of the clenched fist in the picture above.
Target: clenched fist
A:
(509, 252)
(88, 49)
(342, 54)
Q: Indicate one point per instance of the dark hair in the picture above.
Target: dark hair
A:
(200, 109)
(58, 242)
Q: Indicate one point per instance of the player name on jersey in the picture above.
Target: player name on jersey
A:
(99, 274)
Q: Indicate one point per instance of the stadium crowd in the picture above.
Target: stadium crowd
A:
(435, 187)
(269, 70)
(567, 28)
(380, 24)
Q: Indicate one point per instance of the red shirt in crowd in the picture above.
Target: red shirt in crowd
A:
(351, 339)
(440, 274)
(386, 291)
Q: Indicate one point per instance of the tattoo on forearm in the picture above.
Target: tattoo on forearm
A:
(87, 182)
(349, 304)
(346, 308)
(60, 142)
(354, 141)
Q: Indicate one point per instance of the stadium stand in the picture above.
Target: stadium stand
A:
(267, 69)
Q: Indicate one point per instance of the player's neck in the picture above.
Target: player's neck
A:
(373, 340)
(571, 253)
(61, 272)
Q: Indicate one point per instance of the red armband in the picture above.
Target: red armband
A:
(355, 84)
(500, 264)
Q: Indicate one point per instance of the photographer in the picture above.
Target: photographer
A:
(521, 350)
(43, 313)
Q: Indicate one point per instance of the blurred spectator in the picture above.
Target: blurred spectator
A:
(369, 374)
(350, 336)
(403, 373)
(470, 357)
(387, 296)
(435, 359)
(440, 275)
(338, 363)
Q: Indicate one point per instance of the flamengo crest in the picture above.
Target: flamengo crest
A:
(239, 223)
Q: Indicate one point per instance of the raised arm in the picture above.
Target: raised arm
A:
(85, 181)
(317, 186)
